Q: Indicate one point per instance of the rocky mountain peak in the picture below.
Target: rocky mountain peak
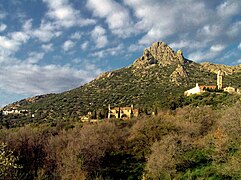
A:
(159, 53)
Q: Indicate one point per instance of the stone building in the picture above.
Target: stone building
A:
(229, 89)
(219, 80)
(239, 91)
(123, 112)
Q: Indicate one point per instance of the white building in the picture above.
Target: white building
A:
(195, 90)
(229, 89)
(199, 89)
(13, 111)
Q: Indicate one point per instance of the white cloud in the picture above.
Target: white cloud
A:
(65, 15)
(217, 47)
(239, 46)
(114, 51)
(189, 44)
(179, 45)
(47, 47)
(27, 25)
(9, 44)
(34, 57)
(68, 45)
(85, 45)
(46, 31)
(99, 37)
(31, 79)
(203, 55)
(234, 30)
(117, 16)
(229, 8)
(211, 31)
(3, 27)
(161, 19)
(76, 35)
(135, 47)
(20, 37)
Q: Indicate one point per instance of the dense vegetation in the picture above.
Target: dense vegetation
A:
(214, 99)
(186, 143)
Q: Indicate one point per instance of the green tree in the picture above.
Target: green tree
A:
(8, 165)
(94, 116)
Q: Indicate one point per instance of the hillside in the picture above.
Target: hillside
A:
(192, 143)
(152, 80)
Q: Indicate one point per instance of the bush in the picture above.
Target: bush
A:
(8, 165)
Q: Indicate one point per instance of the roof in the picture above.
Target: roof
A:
(124, 108)
(208, 87)
(121, 108)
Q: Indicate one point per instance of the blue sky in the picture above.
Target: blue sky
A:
(49, 46)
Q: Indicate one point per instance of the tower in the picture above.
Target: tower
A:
(219, 80)
(109, 111)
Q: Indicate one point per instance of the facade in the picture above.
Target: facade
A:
(15, 111)
(219, 80)
(123, 112)
(203, 88)
(229, 89)
(199, 89)
(239, 91)
(87, 117)
(195, 90)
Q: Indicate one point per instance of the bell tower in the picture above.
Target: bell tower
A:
(109, 111)
(219, 80)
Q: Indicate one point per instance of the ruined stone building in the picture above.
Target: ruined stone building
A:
(123, 112)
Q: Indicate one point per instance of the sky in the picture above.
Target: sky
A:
(51, 46)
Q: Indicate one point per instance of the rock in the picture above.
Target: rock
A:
(159, 53)
(226, 70)
(178, 75)
(105, 75)
(180, 57)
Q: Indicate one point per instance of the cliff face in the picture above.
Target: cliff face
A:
(161, 54)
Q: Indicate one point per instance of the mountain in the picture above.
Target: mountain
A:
(153, 79)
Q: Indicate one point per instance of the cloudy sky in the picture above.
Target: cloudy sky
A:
(51, 46)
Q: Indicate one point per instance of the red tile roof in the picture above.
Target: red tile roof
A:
(207, 87)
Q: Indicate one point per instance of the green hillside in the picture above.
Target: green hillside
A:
(155, 78)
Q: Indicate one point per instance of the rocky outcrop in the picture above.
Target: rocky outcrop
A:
(179, 76)
(226, 70)
(162, 55)
(159, 53)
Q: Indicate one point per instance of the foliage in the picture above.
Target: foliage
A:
(8, 165)
(190, 142)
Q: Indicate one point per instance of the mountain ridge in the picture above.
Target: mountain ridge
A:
(155, 77)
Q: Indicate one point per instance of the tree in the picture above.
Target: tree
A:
(7, 162)
(94, 116)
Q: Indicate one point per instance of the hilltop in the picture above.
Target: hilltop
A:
(152, 80)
